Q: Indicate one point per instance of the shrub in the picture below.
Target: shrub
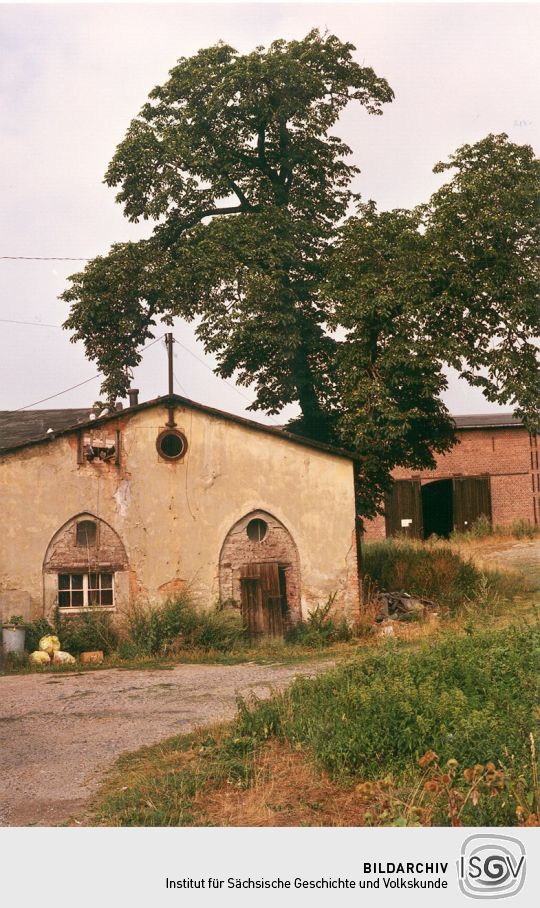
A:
(151, 630)
(433, 571)
(92, 630)
(320, 629)
(481, 527)
(522, 529)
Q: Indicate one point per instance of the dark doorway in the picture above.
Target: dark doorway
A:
(437, 508)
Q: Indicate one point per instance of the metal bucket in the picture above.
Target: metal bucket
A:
(13, 639)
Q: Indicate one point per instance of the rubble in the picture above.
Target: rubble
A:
(402, 606)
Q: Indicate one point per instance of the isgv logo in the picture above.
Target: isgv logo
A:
(491, 866)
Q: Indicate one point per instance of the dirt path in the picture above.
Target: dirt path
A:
(59, 734)
(522, 556)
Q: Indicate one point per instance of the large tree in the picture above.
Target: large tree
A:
(452, 283)
(388, 366)
(352, 317)
(482, 232)
(233, 161)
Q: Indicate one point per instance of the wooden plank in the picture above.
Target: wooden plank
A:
(404, 509)
(262, 599)
(472, 499)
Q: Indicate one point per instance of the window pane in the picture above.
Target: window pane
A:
(63, 581)
(106, 581)
(63, 599)
(77, 597)
(106, 597)
(93, 597)
(93, 581)
(76, 581)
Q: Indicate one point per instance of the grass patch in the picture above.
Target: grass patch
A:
(438, 572)
(468, 703)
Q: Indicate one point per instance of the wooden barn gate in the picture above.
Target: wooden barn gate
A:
(471, 499)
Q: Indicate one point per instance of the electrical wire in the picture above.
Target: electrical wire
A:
(230, 384)
(44, 399)
(45, 258)
(79, 385)
(13, 321)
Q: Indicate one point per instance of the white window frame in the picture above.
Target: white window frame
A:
(85, 607)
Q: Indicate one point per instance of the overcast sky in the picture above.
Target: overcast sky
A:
(72, 76)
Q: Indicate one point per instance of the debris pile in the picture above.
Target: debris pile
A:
(402, 607)
(49, 651)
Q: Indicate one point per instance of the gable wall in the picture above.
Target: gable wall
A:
(173, 517)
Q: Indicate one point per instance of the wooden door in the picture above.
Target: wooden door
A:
(404, 509)
(472, 499)
(262, 599)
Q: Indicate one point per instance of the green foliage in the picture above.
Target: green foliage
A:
(35, 630)
(482, 233)
(15, 621)
(522, 529)
(234, 161)
(320, 629)
(389, 368)
(151, 630)
(243, 140)
(471, 698)
(435, 572)
(86, 631)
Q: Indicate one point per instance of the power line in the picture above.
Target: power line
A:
(44, 399)
(13, 321)
(45, 258)
(79, 385)
(230, 384)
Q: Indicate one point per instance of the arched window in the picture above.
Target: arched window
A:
(82, 560)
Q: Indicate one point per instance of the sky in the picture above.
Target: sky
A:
(73, 75)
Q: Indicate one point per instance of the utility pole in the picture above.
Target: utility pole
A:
(169, 341)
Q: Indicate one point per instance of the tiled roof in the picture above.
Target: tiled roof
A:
(21, 426)
(486, 420)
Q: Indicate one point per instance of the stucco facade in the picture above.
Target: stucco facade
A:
(173, 519)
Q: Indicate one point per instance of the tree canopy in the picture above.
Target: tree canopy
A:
(298, 288)
(234, 161)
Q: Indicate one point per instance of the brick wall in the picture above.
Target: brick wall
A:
(511, 458)
(277, 547)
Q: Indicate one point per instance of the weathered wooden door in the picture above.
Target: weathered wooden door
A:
(404, 509)
(472, 499)
(261, 599)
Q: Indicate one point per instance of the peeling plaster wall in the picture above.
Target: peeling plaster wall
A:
(173, 518)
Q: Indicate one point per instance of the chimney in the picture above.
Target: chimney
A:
(133, 394)
(118, 405)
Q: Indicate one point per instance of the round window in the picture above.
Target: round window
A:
(171, 444)
(256, 530)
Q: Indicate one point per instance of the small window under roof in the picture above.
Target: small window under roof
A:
(86, 532)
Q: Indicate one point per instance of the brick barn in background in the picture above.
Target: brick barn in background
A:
(493, 471)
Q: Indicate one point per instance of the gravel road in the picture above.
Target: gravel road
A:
(58, 734)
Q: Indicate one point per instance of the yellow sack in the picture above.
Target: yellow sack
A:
(49, 644)
(39, 658)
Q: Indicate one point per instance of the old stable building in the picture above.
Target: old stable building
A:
(493, 472)
(167, 495)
